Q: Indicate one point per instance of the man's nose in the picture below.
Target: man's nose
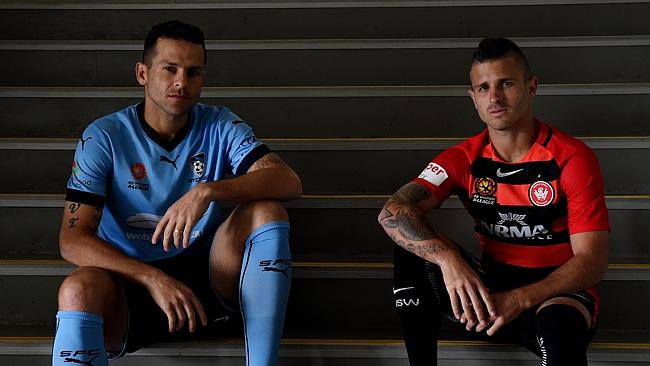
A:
(180, 80)
(495, 95)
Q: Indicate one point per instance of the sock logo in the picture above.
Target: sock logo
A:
(280, 265)
(407, 302)
(87, 352)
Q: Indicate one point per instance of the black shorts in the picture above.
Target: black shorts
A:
(147, 323)
(498, 278)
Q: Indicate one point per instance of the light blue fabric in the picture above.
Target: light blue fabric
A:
(140, 179)
(264, 282)
(79, 339)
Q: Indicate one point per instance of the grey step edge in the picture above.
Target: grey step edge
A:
(338, 144)
(313, 270)
(641, 202)
(332, 44)
(289, 4)
(385, 349)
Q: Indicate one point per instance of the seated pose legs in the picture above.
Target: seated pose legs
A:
(250, 265)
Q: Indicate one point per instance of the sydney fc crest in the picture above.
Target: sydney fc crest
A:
(198, 164)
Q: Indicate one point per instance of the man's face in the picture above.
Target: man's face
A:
(502, 96)
(174, 78)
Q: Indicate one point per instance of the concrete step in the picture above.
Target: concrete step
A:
(318, 67)
(327, 112)
(399, 161)
(327, 352)
(313, 19)
(316, 223)
(328, 300)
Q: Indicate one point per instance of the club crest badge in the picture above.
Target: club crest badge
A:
(541, 193)
(198, 164)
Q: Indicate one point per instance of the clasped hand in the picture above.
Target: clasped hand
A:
(472, 303)
(177, 223)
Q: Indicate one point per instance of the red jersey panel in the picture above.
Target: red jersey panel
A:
(524, 212)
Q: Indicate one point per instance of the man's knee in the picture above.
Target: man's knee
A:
(264, 211)
(87, 289)
(563, 334)
(251, 215)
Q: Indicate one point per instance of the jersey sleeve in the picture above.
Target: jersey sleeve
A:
(92, 168)
(445, 174)
(243, 148)
(582, 182)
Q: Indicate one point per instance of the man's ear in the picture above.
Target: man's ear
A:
(473, 96)
(141, 73)
(532, 87)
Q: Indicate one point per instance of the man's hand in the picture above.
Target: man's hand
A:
(181, 217)
(508, 308)
(177, 301)
(470, 300)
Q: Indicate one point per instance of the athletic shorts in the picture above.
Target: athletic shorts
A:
(497, 277)
(148, 324)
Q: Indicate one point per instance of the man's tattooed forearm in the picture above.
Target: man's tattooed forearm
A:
(387, 218)
(73, 222)
(413, 226)
(73, 207)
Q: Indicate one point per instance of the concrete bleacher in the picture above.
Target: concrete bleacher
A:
(357, 96)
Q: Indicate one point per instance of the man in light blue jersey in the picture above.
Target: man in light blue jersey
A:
(143, 221)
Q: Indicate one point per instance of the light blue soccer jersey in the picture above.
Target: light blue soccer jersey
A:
(121, 162)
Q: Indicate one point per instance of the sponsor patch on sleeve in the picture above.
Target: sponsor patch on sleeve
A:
(434, 174)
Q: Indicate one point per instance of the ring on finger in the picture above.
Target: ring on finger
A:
(176, 231)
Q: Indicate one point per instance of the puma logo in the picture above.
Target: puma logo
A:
(274, 269)
(166, 159)
(83, 142)
(74, 360)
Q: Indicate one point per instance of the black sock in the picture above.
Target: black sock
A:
(563, 336)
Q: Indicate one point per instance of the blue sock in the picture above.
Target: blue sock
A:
(79, 339)
(264, 284)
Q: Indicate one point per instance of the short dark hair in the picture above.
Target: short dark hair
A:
(172, 29)
(494, 48)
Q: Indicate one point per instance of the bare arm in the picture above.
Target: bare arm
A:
(80, 245)
(584, 270)
(403, 218)
(268, 178)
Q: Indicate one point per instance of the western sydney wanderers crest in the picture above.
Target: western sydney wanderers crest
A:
(484, 188)
(541, 193)
(198, 164)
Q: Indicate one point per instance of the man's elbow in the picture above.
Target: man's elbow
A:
(65, 246)
(294, 187)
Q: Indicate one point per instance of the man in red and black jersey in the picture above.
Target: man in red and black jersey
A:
(537, 199)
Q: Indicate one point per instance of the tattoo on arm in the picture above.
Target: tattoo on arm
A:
(267, 161)
(414, 193)
(400, 213)
(73, 222)
(73, 207)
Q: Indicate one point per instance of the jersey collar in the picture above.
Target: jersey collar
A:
(155, 137)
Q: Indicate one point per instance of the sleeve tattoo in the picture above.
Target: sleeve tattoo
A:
(413, 229)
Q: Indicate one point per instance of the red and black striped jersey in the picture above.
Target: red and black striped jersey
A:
(525, 211)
